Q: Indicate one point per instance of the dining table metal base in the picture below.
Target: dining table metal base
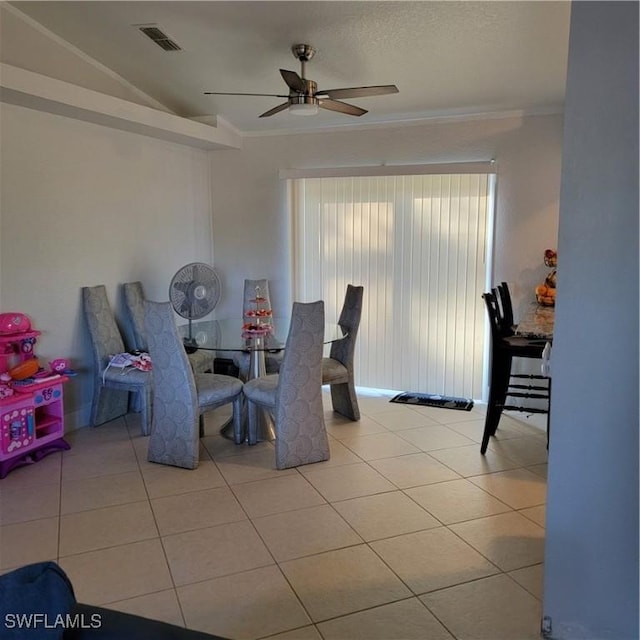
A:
(266, 428)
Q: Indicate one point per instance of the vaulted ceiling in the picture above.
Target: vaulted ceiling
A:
(446, 58)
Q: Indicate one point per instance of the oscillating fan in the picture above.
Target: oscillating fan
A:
(194, 291)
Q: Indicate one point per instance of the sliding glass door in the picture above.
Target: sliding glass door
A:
(418, 244)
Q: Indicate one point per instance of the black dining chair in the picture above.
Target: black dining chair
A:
(506, 308)
(504, 384)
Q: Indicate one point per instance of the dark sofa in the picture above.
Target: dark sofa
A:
(37, 602)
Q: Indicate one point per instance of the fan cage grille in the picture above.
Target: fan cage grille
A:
(194, 290)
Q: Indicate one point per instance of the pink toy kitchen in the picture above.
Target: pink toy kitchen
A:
(31, 397)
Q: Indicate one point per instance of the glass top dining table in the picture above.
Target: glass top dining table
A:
(230, 334)
(227, 334)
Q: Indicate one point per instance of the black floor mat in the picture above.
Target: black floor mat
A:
(433, 400)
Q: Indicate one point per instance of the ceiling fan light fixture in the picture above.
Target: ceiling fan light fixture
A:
(303, 109)
(303, 105)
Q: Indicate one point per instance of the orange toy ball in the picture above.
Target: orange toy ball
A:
(25, 369)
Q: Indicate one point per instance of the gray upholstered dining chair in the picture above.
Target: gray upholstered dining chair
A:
(133, 292)
(181, 396)
(337, 369)
(242, 359)
(111, 385)
(294, 396)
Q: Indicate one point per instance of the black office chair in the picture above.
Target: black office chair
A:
(503, 384)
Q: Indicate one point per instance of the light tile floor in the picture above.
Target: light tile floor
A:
(406, 533)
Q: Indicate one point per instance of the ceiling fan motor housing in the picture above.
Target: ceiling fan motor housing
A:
(306, 97)
(300, 98)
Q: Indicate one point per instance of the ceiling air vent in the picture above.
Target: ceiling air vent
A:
(159, 37)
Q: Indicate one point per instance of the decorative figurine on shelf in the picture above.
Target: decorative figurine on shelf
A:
(546, 292)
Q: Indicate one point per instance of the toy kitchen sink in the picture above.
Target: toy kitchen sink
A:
(31, 399)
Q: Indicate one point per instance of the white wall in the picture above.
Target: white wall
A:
(81, 205)
(591, 556)
(252, 231)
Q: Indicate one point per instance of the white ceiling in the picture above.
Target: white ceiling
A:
(446, 58)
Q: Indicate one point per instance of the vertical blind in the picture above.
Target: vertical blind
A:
(418, 245)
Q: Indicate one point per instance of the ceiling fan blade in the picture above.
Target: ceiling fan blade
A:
(278, 109)
(359, 92)
(293, 80)
(223, 93)
(342, 107)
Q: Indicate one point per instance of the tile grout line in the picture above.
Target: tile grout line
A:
(155, 521)
(331, 504)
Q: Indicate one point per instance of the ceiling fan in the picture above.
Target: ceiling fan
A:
(304, 98)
